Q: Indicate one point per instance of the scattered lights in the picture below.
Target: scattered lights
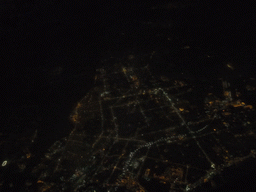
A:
(28, 155)
(124, 70)
(230, 66)
(211, 102)
(154, 101)
(134, 78)
(147, 172)
(74, 118)
(78, 105)
(186, 47)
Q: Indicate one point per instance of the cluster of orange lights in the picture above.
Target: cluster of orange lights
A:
(131, 183)
(45, 187)
(241, 104)
(28, 155)
(74, 117)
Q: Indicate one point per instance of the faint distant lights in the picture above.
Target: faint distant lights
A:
(4, 163)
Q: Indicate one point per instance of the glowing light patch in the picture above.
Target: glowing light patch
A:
(4, 163)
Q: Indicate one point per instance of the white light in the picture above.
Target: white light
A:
(4, 163)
